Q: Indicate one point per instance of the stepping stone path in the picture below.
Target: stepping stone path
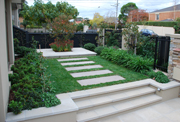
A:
(90, 81)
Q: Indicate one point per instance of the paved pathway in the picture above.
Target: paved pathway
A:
(90, 81)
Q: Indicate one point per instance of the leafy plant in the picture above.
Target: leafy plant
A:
(158, 76)
(112, 39)
(16, 107)
(50, 100)
(99, 49)
(90, 46)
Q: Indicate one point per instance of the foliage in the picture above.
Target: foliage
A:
(80, 27)
(99, 39)
(111, 38)
(16, 107)
(130, 34)
(62, 30)
(39, 12)
(125, 59)
(164, 24)
(137, 15)
(50, 99)
(59, 46)
(97, 19)
(146, 46)
(98, 50)
(158, 76)
(125, 9)
(28, 82)
(25, 23)
(90, 46)
(20, 50)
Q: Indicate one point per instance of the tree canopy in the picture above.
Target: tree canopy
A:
(125, 9)
(39, 12)
(97, 19)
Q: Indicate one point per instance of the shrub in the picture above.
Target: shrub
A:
(90, 46)
(29, 83)
(165, 24)
(158, 76)
(125, 59)
(112, 39)
(50, 100)
(99, 49)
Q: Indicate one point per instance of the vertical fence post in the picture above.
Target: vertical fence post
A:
(27, 39)
(155, 53)
(103, 36)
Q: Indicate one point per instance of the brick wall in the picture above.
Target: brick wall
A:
(164, 15)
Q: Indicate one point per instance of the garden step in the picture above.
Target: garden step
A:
(90, 73)
(91, 81)
(77, 63)
(99, 112)
(83, 67)
(72, 59)
(108, 98)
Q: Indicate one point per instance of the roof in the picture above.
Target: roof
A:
(168, 9)
(167, 20)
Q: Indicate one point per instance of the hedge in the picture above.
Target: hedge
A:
(165, 24)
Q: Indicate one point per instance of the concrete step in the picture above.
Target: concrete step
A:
(77, 63)
(109, 98)
(99, 80)
(90, 73)
(83, 67)
(98, 112)
(72, 59)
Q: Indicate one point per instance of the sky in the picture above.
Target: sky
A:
(87, 8)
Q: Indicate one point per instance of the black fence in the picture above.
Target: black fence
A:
(119, 38)
(44, 39)
(161, 57)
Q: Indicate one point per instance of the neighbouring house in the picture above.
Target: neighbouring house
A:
(6, 49)
(169, 13)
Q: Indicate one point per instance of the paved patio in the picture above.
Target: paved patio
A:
(77, 51)
(168, 111)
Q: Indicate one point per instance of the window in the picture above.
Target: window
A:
(157, 16)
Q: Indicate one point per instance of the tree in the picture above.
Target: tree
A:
(97, 19)
(40, 12)
(138, 15)
(125, 9)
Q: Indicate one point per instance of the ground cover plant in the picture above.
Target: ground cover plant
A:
(90, 46)
(133, 62)
(30, 87)
(64, 82)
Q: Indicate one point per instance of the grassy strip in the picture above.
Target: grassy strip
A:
(81, 65)
(64, 82)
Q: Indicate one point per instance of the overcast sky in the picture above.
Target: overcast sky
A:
(87, 8)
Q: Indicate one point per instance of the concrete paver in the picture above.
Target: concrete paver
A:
(77, 63)
(91, 73)
(72, 59)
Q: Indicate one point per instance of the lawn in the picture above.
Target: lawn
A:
(64, 82)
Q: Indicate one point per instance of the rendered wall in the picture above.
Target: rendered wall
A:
(4, 82)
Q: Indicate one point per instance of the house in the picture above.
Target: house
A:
(172, 12)
(6, 49)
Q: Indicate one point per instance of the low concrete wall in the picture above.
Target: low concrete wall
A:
(160, 30)
(36, 30)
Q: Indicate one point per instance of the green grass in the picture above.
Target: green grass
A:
(64, 82)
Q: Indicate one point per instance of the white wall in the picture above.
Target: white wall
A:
(86, 27)
(161, 31)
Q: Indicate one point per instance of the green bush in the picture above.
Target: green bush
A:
(122, 57)
(111, 39)
(50, 99)
(158, 76)
(16, 107)
(98, 50)
(90, 46)
(29, 83)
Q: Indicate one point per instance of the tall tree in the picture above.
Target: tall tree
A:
(125, 9)
(97, 19)
(138, 15)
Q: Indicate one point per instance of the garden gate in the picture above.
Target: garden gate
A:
(161, 57)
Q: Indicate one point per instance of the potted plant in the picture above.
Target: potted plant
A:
(62, 30)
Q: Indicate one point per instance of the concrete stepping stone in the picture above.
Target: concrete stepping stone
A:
(92, 81)
(77, 63)
(90, 73)
(72, 59)
(83, 67)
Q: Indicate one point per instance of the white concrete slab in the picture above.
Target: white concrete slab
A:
(91, 73)
(72, 59)
(77, 63)
(49, 53)
(83, 67)
(100, 80)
